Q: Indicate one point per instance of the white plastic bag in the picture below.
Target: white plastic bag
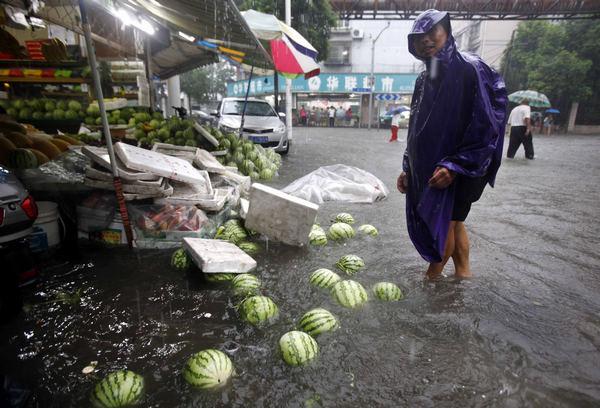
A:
(338, 182)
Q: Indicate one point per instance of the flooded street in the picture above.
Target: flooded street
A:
(523, 332)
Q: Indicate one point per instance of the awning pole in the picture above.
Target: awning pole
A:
(245, 100)
(111, 153)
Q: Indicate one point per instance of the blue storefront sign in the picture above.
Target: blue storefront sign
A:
(327, 83)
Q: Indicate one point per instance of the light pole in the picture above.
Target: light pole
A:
(372, 78)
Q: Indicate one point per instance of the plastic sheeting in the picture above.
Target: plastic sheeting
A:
(338, 182)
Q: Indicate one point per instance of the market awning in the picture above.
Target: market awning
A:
(191, 34)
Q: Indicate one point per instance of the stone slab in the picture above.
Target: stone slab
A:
(279, 215)
(218, 256)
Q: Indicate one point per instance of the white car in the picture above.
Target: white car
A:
(262, 124)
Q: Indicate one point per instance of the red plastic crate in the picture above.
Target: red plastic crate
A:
(34, 48)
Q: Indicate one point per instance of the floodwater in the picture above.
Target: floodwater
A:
(523, 332)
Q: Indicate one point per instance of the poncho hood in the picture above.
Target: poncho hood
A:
(425, 22)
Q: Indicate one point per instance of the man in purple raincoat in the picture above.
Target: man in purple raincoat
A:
(454, 144)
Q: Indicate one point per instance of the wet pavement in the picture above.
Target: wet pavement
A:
(523, 332)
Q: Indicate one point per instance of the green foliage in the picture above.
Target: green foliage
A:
(205, 83)
(560, 60)
(311, 18)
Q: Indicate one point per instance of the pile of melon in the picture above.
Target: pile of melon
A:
(19, 150)
(43, 108)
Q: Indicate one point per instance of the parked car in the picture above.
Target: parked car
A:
(18, 212)
(202, 117)
(262, 124)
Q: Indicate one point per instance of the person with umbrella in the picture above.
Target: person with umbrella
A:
(520, 130)
(454, 143)
(394, 125)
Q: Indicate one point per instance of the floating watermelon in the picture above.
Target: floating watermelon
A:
(317, 321)
(298, 348)
(244, 284)
(317, 237)
(324, 278)
(248, 247)
(208, 369)
(350, 264)
(387, 291)
(256, 309)
(118, 389)
(219, 277)
(340, 231)
(349, 293)
(368, 229)
(344, 217)
(180, 260)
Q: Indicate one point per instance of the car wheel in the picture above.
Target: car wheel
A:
(287, 149)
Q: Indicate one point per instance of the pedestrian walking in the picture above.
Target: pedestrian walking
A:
(454, 144)
(348, 116)
(303, 116)
(318, 117)
(394, 126)
(331, 115)
(548, 124)
(520, 130)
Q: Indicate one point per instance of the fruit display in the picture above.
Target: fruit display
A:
(208, 369)
(44, 108)
(118, 389)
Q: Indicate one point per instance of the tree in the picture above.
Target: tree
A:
(205, 84)
(559, 60)
(311, 18)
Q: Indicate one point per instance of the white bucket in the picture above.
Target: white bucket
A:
(46, 233)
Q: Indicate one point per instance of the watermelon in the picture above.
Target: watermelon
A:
(323, 278)
(298, 348)
(340, 231)
(208, 369)
(256, 309)
(245, 283)
(368, 229)
(118, 389)
(233, 222)
(266, 174)
(219, 277)
(317, 238)
(344, 217)
(350, 264)
(317, 321)
(387, 291)
(21, 158)
(180, 260)
(349, 293)
(232, 234)
(248, 247)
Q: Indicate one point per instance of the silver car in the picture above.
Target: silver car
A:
(18, 209)
(262, 124)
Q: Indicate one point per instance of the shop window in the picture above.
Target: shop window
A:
(339, 55)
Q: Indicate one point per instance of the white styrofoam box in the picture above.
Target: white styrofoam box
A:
(100, 156)
(204, 160)
(112, 105)
(279, 215)
(160, 164)
(211, 139)
(187, 153)
(218, 256)
(244, 204)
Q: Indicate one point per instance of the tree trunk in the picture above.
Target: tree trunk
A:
(572, 116)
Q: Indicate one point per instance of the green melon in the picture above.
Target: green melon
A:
(340, 231)
(21, 158)
(180, 260)
(208, 369)
(344, 217)
(387, 291)
(248, 247)
(349, 293)
(219, 277)
(323, 278)
(298, 348)
(245, 283)
(368, 229)
(350, 264)
(256, 309)
(118, 389)
(317, 321)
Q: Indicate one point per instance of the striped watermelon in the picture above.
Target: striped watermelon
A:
(248, 247)
(317, 321)
(298, 348)
(387, 291)
(349, 293)
(233, 234)
(180, 260)
(340, 231)
(255, 309)
(368, 229)
(219, 277)
(317, 238)
(323, 278)
(21, 158)
(350, 264)
(317, 228)
(208, 369)
(344, 217)
(244, 283)
(233, 222)
(118, 389)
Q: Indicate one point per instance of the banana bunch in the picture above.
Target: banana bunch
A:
(54, 50)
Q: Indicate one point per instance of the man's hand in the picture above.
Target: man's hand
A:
(442, 177)
(402, 183)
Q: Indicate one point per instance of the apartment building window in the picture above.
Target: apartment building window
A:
(339, 54)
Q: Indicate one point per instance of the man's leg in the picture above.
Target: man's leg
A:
(528, 145)
(460, 256)
(515, 141)
(435, 269)
(394, 133)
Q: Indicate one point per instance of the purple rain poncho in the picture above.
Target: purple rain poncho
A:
(458, 114)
